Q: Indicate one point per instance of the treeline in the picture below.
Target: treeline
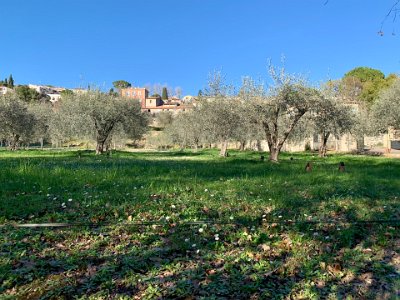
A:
(94, 115)
(8, 82)
(364, 102)
(283, 108)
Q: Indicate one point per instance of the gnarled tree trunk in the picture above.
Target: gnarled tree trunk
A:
(224, 149)
(102, 134)
(196, 145)
(324, 141)
(14, 142)
(242, 145)
(273, 154)
(360, 142)
(258, 146)
(101, 140)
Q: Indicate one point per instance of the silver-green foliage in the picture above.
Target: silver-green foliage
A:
(97, 116)
(186, 130)
(43, 112)
(279, 108)
(331, 116)
(386, 110)
(17, 123)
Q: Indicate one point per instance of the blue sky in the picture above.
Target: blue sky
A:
(74, 43)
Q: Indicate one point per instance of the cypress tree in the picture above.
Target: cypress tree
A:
(11, 82)
(5, 82)
(164, 94)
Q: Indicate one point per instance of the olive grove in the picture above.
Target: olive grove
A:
(17, 122)
(386, 110)
(97, 116)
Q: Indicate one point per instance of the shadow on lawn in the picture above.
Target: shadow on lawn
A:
(278, 261)
(357, 260)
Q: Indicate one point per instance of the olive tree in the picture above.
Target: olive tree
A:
(164, 119)
(98, 116)
(220, 121)
(214, 120)
(331, 117)
(386, 110)
(219, 111)
(17, 123)
(249, 128)
(187, 130)
(279, 108)
(43, 112)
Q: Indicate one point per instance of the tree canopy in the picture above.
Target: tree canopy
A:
(121, 84)
(26, 94)
(365, 74)
(8, 82)
(98, 116)
(386, 110)
(364, 84)
(17, 122)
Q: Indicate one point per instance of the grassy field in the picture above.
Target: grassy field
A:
(183, 225)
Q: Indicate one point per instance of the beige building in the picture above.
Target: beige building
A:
(79, 90)
(138, 93)
(4, 90)
(51, 91)
(54, 97)
(154, 105)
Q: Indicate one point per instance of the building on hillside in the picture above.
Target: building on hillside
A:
(54, 97)
(136, 93)
(154, 104)
(188, 99)
(54, 93)
(59, 89)
(46, 89)
(4, 90)
(79, 90)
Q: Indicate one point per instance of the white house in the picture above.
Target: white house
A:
(4, 90)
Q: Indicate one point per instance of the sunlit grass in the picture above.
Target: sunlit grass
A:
(246, 251)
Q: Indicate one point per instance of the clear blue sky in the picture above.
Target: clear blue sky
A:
(78, 42)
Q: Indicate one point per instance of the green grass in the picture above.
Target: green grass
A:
(248, 251)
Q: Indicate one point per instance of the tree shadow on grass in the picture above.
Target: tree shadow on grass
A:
(306, 260)
(250, 259)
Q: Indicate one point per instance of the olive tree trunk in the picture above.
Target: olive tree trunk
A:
(14, 142)
(324, 141)
(242, 145)
(360, 142)
(224, 149)
(100, 145)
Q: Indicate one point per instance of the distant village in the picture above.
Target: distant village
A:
(155, 104)
(152, 104)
